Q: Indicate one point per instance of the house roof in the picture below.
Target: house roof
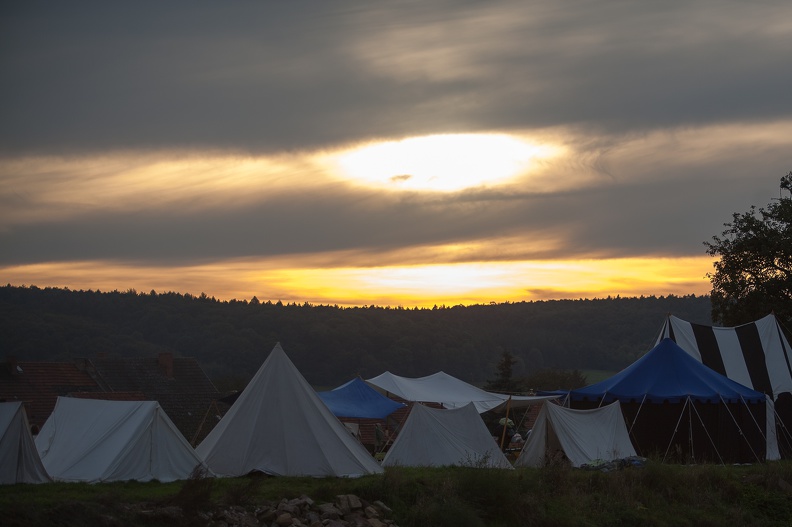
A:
(110, 396)
(38, 385)
(177, 383)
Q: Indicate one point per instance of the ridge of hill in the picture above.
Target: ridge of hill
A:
(331, 344)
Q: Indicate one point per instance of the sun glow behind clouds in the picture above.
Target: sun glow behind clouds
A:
(446, 162)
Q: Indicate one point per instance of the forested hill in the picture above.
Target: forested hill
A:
(330, 344)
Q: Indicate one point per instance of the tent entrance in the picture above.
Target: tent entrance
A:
(697, 432)
(554, 450)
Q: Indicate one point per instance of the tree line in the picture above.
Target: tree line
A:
(332, 344)
(496, 343)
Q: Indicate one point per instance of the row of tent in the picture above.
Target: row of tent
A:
(279, 425)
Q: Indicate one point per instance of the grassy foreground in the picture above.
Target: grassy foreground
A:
(653, 495)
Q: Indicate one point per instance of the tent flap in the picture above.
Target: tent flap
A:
(581, 435)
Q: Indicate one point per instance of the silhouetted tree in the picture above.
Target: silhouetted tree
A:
(504, 382)
(754, 273)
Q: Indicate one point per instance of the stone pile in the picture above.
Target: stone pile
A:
(348, 510)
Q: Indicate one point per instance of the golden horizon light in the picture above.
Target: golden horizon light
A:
(420, 286)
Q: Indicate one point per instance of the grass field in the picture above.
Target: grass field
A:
(593, 376)
(654, 495)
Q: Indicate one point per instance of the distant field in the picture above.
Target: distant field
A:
(593, 376)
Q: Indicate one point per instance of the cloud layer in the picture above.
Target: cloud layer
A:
(181, 133)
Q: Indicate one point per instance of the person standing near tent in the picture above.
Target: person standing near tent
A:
(503, 432)
(381, 438)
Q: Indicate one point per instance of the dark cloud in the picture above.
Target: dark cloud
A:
(270, 76)
(669, 217)
(700, 84)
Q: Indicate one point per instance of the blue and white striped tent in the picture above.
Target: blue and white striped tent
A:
(756, 354)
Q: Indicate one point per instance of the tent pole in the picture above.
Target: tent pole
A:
(690, 429)
(761, 432)
(635, 420)
(396, 430)
(712, 442)
(637, 413)
(213, 404)
(676, 429)
(758, 426)
(602, 399)
(505, 423)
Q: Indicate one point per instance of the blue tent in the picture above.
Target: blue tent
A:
(359, 400)
(676, 407)
(668, 374)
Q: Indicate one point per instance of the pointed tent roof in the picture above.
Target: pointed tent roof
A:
(433, 437)
(583, 435)
(667, 373)
(19, 459)
(93, 440)
(449, 391)
(279, 426)
(359, 400)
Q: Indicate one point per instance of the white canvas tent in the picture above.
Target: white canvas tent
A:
(450, 392)
(279, 426)
(582, 435)
(19, 459)
(434, 437)
(94, 440)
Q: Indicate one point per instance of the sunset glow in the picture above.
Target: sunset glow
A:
(407, 286)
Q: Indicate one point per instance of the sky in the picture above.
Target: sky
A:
(411, 153)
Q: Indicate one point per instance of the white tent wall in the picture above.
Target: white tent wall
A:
(94, 440)
(279, 426)
(583, 436)
(433, 437)
(19, 459)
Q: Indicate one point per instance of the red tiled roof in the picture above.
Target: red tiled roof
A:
(38, 385)
(179, 384)
(110, 396)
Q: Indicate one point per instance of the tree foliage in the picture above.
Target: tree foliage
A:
(753, 276)
(330, 344)
(504, 380)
